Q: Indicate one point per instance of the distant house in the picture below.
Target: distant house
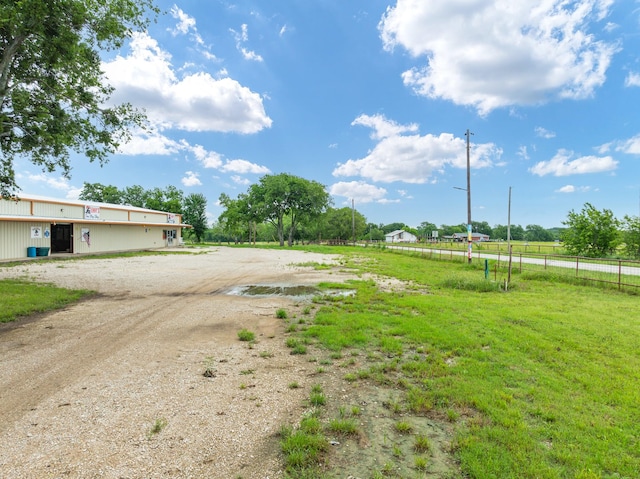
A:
(400, 236)
(475, 237)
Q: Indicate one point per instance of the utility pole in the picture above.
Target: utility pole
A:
(509, 240)
(470, 237)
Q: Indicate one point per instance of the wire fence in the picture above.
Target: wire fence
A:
(619, 273)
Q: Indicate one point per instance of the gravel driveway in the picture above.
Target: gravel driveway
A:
(113, 387)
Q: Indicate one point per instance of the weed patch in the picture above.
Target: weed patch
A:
(246, 335)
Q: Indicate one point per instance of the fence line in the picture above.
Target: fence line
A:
(619, 272)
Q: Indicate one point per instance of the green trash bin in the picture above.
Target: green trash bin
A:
(42, 251)
(31, 252)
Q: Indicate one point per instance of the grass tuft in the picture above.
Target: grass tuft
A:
(246, 335)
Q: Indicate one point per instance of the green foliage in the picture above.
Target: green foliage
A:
(21, 298)
(195, 214)
(171, 199)
(341, 224)
(537, 233)
(246, 335)
(500, 232)
(541, 382)
(303, 450)
(343, 426)
(277, 196)
(101, 193)
(591, 232)
(157, 427)
(53, 93)
(403, 427)
(631, 236)
(421, 444)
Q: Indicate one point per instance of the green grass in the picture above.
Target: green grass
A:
(403, 427)
(157, 427)
(22, 298)
(343, 426)
(246, 335)
(542, 381)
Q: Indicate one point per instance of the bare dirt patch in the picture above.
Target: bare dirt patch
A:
(114, 386)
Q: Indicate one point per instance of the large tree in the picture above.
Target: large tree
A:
(277, 196)
(591, 232)
(538, 233)
(234, 218)
(308, 200)
(426, 229)
(170, 199)
(101, 193)
(344, 223)
(53, 94)
(195, 214)
(631, 235)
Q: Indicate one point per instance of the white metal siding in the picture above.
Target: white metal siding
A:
(53, 210)
(16, 208)
(146, 217)
(104, 238)
(16, 237)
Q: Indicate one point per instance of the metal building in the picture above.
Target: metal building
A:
(39, 226)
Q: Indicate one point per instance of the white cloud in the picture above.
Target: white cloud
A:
(212, 159)
(413, 158)
(497, 54)
(57, 183)
(573, 189)
(195, 102)
(191, 179)
(523, 153)
(239, 180)
(185, 23)
(544, 133)
(149, 143)
(359, 191)
(244, 167)
(73, 193)
(209, 159)
(563, 165)
(633, 79)
(383, 128)
(241, 38)
(566, 189)
(630, 146)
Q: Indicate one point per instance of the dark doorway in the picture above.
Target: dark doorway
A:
(61, 238)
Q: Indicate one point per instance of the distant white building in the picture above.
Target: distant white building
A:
(463, 237)
(400, 236)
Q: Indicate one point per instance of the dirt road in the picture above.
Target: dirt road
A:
(113, 387)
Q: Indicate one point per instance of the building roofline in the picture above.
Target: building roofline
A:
(45, 199)
(46, 219)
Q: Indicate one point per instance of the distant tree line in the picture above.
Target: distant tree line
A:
(288, 208)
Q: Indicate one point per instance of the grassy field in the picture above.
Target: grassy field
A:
(22, 298)
(541, 382)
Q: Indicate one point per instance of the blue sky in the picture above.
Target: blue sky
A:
(372, 99)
